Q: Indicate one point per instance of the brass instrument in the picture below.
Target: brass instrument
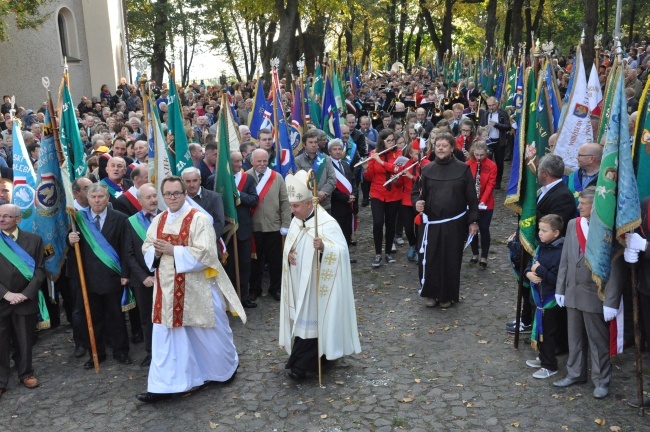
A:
(375, 115)
(447, 100)
(366, 159)
(455, 95)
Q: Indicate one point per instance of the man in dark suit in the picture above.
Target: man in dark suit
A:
(209, 201)
(128, 202)
(116, 181)
(105, 288)
(206, 165)
(498, 123)
(555, 197)
(140, 278)
(118, 149)
(248, 200)
(19, 287)
(343, 196)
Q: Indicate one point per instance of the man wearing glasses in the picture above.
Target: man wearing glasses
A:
(589, 157)
(22, 271)
(498, 123)
(191, 341)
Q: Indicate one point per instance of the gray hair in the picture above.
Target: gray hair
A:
(588, 193)
(135, 119)
(190, 170)
(97, 187)
(334, 142)
(138, 193)
(553, 165)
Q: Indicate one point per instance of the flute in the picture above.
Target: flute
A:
(405, 170)
(364, 160)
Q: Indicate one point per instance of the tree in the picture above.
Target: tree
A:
(27, 14)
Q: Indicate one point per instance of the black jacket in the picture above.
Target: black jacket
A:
(559, 200)
(548, 257)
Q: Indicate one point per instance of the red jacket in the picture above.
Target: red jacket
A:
(408, 183)
(378, 174)
(488, 180)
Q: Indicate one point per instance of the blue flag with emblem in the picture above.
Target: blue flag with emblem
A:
(24, 180)
(283, 150)
(260, 117)
(330, 115)
(51, 222)
(616, 209)
(552, 96)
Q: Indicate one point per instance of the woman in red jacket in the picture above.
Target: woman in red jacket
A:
(407, 212)
(385, 201)
(484, 172)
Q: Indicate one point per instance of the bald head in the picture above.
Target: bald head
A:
(589, 157)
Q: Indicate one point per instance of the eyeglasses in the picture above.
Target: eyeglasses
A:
(173, 195)
(8, 216)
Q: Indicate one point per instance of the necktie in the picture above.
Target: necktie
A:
(150, 216)
(97, 224)
(13, 236)
(259, 177)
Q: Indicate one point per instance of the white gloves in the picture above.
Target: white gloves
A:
(284, 231)
(636, 242)
(610, 313)
(559, 298)
(631, 255)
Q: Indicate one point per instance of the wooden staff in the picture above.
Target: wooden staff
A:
(312, 184)
(70, 210)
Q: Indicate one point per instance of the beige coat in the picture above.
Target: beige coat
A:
(272, 212)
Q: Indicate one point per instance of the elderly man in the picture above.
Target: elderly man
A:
(140, 277)
(244, 133)
(191, 338)
(244, 113)
(128, 203)
(314, 159)
(344, 195)
(118, 149)
(317, 313)
(271, 220)
(141, 152)
(115, 180)
(205, 200)
(589, 157)
(196, 153)
(22, 271)
(587, 315)
(103, 252)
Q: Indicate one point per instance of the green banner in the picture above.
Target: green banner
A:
(180, 158)
(69, 133)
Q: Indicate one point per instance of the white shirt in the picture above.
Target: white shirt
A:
(494, 132)
(547, 188)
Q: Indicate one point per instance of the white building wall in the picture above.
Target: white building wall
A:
(96, 36)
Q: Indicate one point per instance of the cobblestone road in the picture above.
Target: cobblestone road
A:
(420, 370)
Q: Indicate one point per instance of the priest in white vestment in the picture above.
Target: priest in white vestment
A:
(315, 320)
(191, 340)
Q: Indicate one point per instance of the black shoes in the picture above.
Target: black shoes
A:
(123, 359)
(249, 304)
(153, 397)
(137, 338)
(146, 362)
(275, 295)
(79, 352)
(90, 364)
(253, 297)
(296, 375)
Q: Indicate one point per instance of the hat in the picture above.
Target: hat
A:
(297, 187)
(102, 149)
(29, 112)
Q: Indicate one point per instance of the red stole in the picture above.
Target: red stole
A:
(179, 239)
(582, 239)
(242, 181)
(133, 200)
(265, 189)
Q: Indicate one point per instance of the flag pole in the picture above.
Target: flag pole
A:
(224, 102)
(77, 249)
(312, 183)
(637, 339)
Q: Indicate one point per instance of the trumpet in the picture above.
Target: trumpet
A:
(455, 95)
(366, 159)
(375, 115)
(399, 174)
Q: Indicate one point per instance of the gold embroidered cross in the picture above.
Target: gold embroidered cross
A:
(330, 258)
(322, 292)
(327, 275)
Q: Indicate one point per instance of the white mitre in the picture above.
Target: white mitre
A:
(297, 187)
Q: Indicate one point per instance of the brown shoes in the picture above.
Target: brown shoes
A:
(30, 382)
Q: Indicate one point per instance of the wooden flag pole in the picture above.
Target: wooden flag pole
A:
(77, 249)
(312, 183)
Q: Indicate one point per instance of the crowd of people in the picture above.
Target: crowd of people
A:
(424, 153)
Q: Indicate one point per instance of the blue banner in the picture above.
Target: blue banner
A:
(24, 180)
(330, 113)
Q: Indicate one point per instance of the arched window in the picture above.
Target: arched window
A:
(68, 35)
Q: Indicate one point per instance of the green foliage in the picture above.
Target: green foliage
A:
(27, 14)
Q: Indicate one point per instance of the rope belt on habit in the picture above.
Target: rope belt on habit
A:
(426, 222)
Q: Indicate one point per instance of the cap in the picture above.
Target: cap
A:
(297, 187)
(102, 149)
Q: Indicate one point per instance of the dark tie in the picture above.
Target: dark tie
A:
(259, 177)
(97, 224)
(341, 166)
(150, 216)
(13, 236)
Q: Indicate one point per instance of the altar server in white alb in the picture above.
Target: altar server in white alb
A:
(315, 320)
(191, 340)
